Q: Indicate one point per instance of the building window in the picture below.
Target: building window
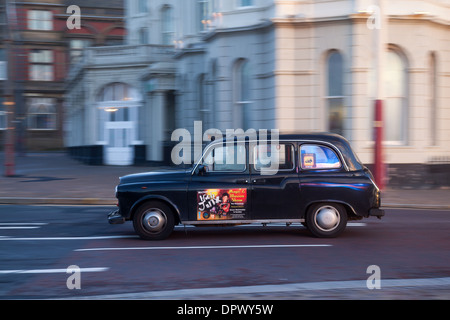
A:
(143, 36)
(40, 20)
(41, 65)
(396, 106)
(168, 32)
(242, 87)
(42, 114)
(142, 6)
(118, 92)
(335, 93)
(76, 48)
(202, 100)
(3, 116)
(245, 3)
(433, 99)
(204, 14)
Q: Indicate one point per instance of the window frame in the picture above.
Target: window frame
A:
(403, 122)
(334, 93)
(211, 148)
(41, 59)
(40, 20)
(342, 164)
(51, 115)
(294, 162)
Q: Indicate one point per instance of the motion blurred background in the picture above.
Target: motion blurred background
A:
(112, 90)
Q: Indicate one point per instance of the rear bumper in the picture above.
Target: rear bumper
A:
(376, 212)
(116, 218)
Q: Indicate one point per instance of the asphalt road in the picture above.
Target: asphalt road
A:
(409, 249)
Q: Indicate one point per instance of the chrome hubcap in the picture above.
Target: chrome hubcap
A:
(154, 220)
(327, 218)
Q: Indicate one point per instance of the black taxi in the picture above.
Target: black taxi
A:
(317, 181)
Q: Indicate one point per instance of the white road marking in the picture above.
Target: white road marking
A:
(45, 271)
(20, 226)
(68, 238)
(279, 288)
(209, 247)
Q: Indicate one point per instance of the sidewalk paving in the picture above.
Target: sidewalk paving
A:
(55, 178)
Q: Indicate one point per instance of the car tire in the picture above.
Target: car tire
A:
(154, 220)
(326, 220)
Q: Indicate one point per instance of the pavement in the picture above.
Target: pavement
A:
(54, 178)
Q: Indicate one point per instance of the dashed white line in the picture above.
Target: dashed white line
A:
(45, 271)
(209, 247)
(20, 226)
(67, 238)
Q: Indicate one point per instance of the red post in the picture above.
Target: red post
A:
(378, 171)
(9, 139)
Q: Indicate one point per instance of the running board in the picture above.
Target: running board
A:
(241, 222)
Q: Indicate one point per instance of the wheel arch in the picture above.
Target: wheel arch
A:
(351, 213)
(160, 198)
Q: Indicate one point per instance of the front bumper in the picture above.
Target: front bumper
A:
(376, 212)
(116, 218)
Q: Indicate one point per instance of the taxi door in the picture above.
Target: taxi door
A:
(219, 187)
(275, 191)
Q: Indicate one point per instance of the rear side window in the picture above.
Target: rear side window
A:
(283, 153)
(314, 156)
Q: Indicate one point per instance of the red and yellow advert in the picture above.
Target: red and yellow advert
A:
(221, 204)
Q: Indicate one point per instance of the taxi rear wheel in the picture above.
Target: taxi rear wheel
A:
(153, 221)
(326, 220)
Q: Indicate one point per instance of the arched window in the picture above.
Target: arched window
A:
(118, 92)
(335, 92)
(396, 105)
(167, 28)
(242, 88)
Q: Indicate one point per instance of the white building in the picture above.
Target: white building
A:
(295, 65)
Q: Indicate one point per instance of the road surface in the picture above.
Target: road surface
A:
(407, 253)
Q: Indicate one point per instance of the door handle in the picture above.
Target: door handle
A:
(244, 181)
(259, 181)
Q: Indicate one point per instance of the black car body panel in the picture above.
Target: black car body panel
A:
(248, 194)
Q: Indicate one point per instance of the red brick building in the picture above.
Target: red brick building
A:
(42, 51)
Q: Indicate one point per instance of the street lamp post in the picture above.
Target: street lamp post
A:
(9, 101)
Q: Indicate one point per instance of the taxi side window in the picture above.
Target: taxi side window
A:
(226, 158)
(263, 153)
(314, 156)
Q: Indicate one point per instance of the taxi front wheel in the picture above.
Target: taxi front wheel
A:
(153, 221)
(326, 220)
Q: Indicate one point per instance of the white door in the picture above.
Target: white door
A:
(118, 150)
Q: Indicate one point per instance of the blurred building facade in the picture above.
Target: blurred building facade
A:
(42, 49)
(292, 65)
